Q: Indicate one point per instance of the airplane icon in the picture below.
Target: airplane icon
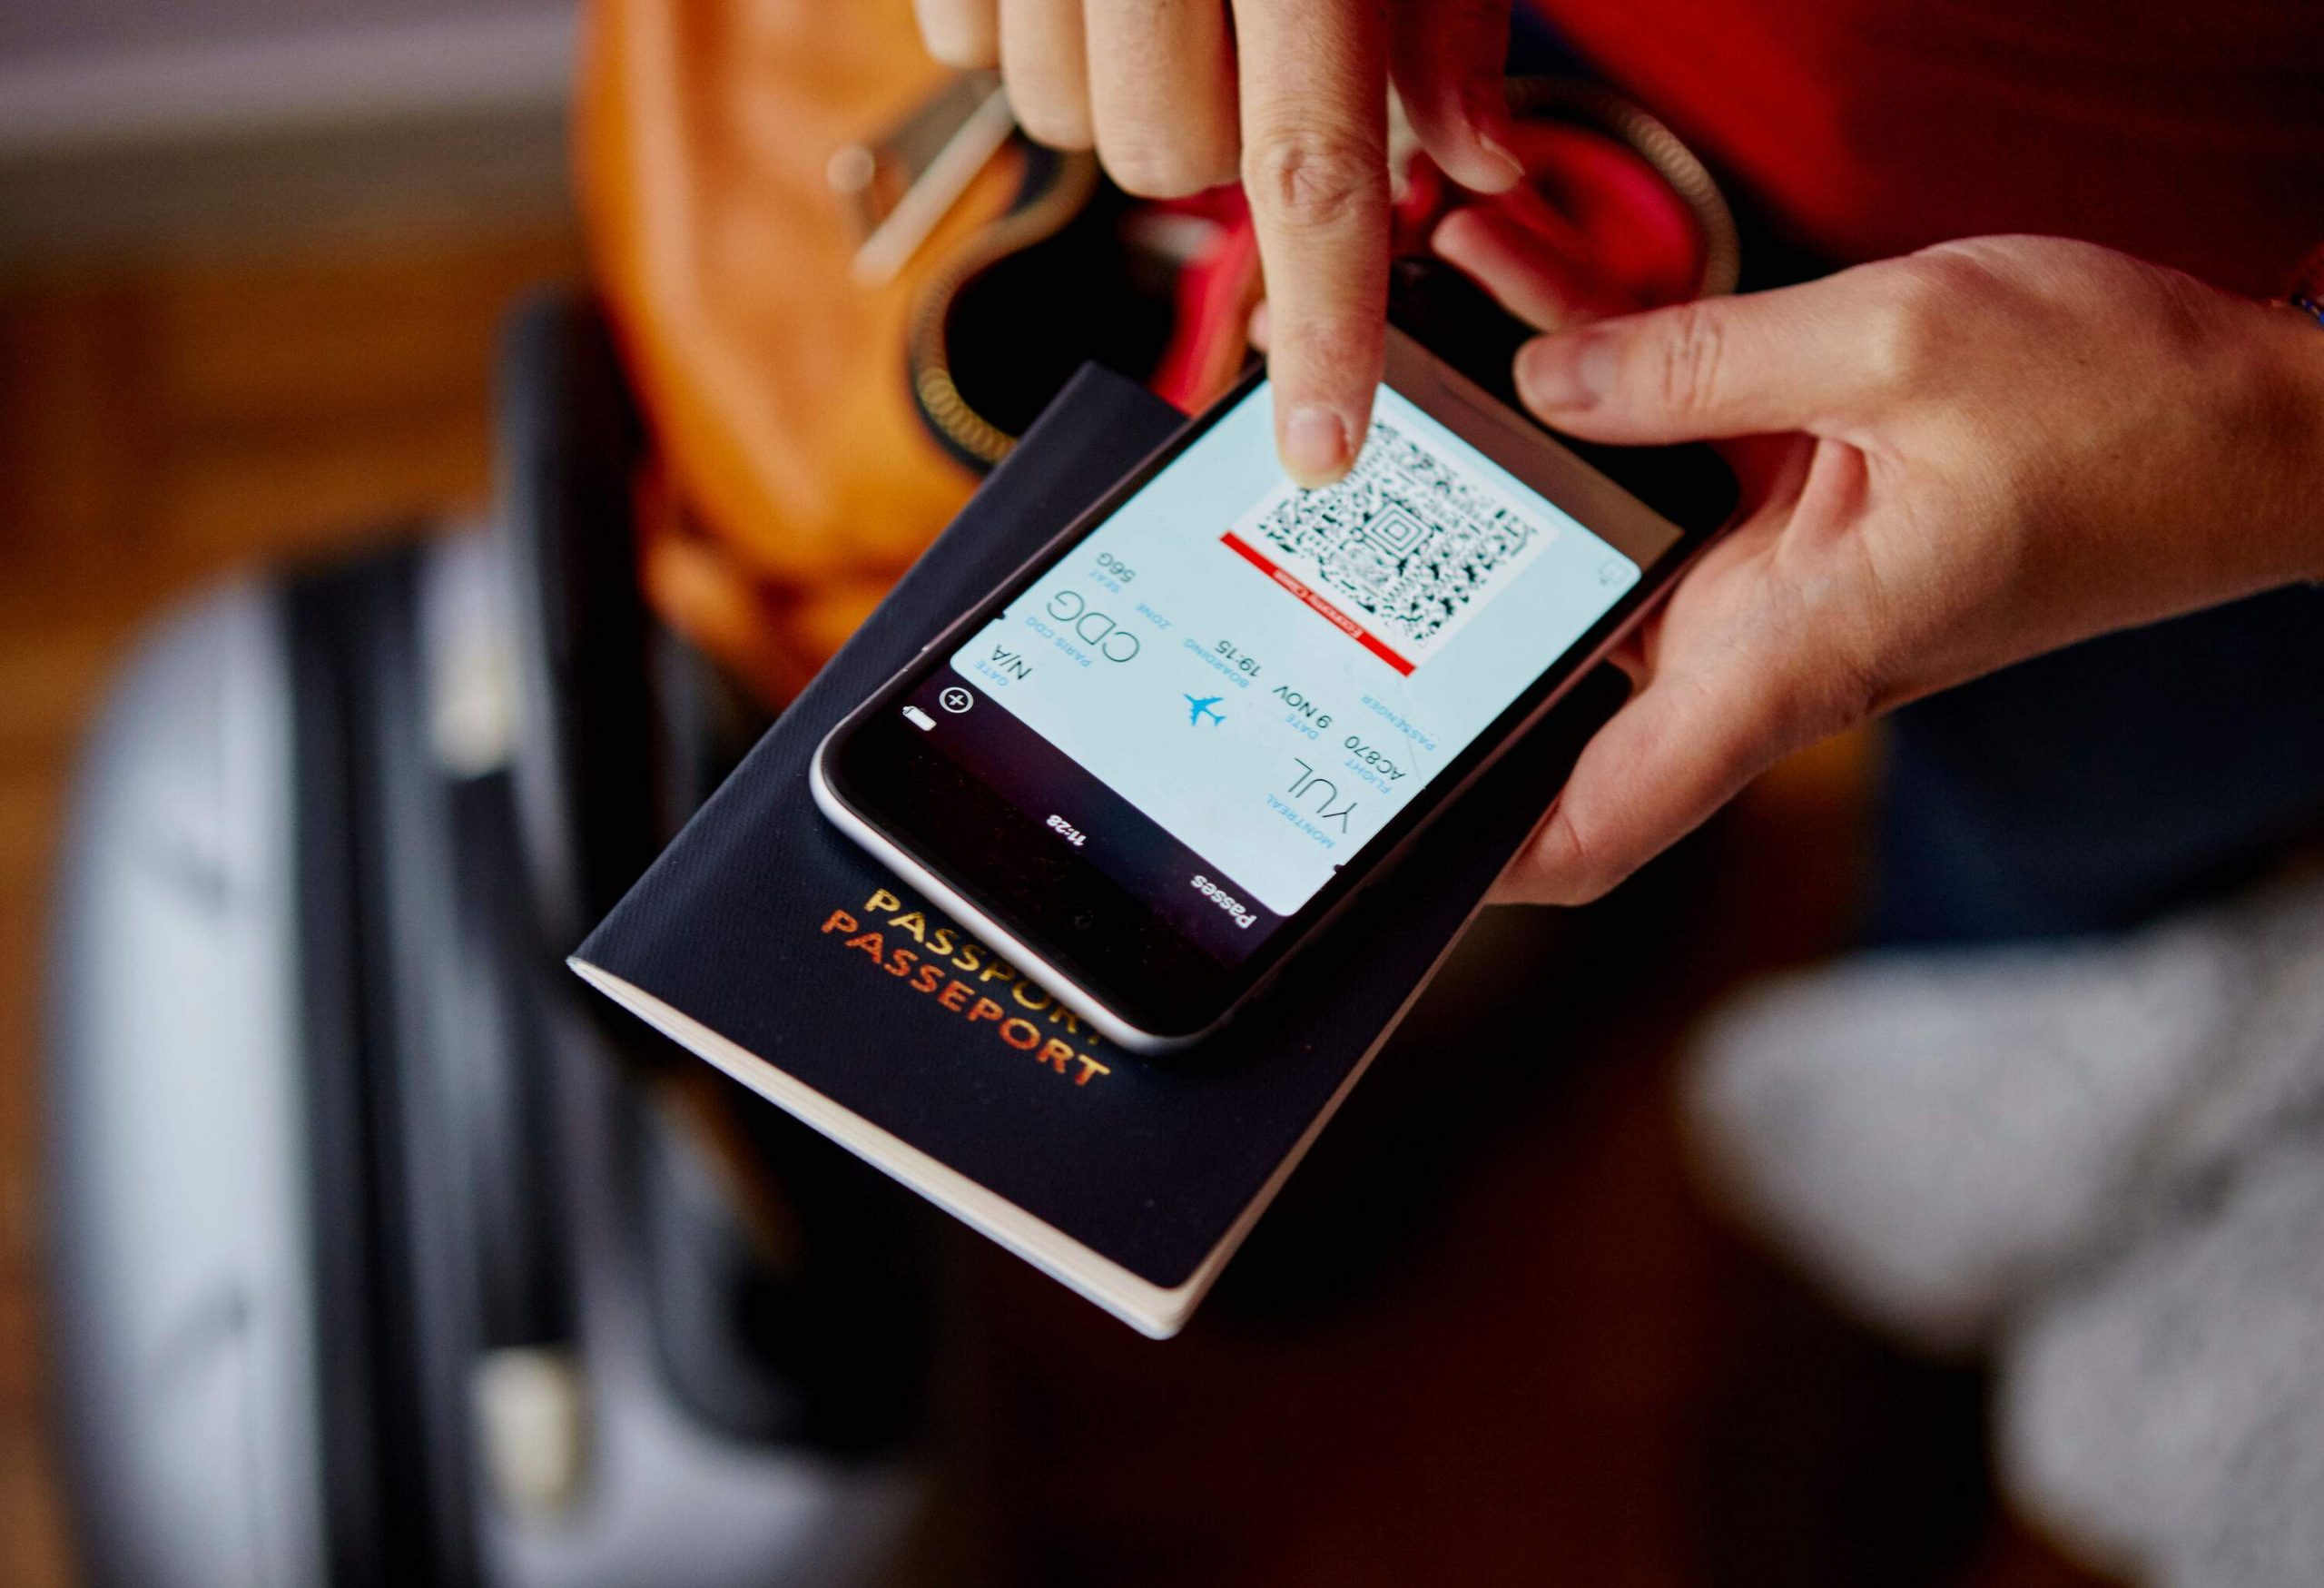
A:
(1205, 707)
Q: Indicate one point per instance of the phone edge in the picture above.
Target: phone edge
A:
(1021, 955)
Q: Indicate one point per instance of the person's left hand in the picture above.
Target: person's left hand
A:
(1963, 458)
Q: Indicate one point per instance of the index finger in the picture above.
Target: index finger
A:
(1313, 82)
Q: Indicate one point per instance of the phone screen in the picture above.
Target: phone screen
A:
(1228, 687)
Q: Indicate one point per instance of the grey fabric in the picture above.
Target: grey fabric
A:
(2166, 1412)
(2102, 1162)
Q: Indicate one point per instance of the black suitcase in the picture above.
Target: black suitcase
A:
(376, 1254)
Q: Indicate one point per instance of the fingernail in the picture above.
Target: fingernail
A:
(1314, 444)
(1513, 169)
(1488, 111)
(1565, 371)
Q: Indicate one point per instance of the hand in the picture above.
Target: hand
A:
(1296, 92)
(1966, 458)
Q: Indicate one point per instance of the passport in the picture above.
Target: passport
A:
(770, 945)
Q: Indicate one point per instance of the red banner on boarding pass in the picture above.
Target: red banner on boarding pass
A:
(1314, 603)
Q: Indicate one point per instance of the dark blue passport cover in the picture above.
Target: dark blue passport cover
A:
(770, 944)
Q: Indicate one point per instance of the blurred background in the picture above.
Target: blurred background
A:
(256, 262)
(254, 258)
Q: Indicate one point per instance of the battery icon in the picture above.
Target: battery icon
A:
(918, 718)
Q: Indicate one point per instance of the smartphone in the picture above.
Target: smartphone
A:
(1152, 765)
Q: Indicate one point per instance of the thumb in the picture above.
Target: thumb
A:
(1801, 358)
(1682, 748)
(1446, 60)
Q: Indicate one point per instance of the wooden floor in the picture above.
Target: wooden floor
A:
(161, 425)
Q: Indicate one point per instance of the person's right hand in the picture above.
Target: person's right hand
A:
(1294, 95)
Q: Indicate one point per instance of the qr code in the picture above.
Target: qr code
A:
(1412, 546)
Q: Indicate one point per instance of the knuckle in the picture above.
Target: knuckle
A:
(1688, 358)
(1051, 107)
(962, 49)
(1914, 326)
(1313, 180)
(1055, 124)
(1156, 168)
(962, 54)
(1559, 862)
(1566, 864)
(1899, 346)
(958, 32)
(1324, 356)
